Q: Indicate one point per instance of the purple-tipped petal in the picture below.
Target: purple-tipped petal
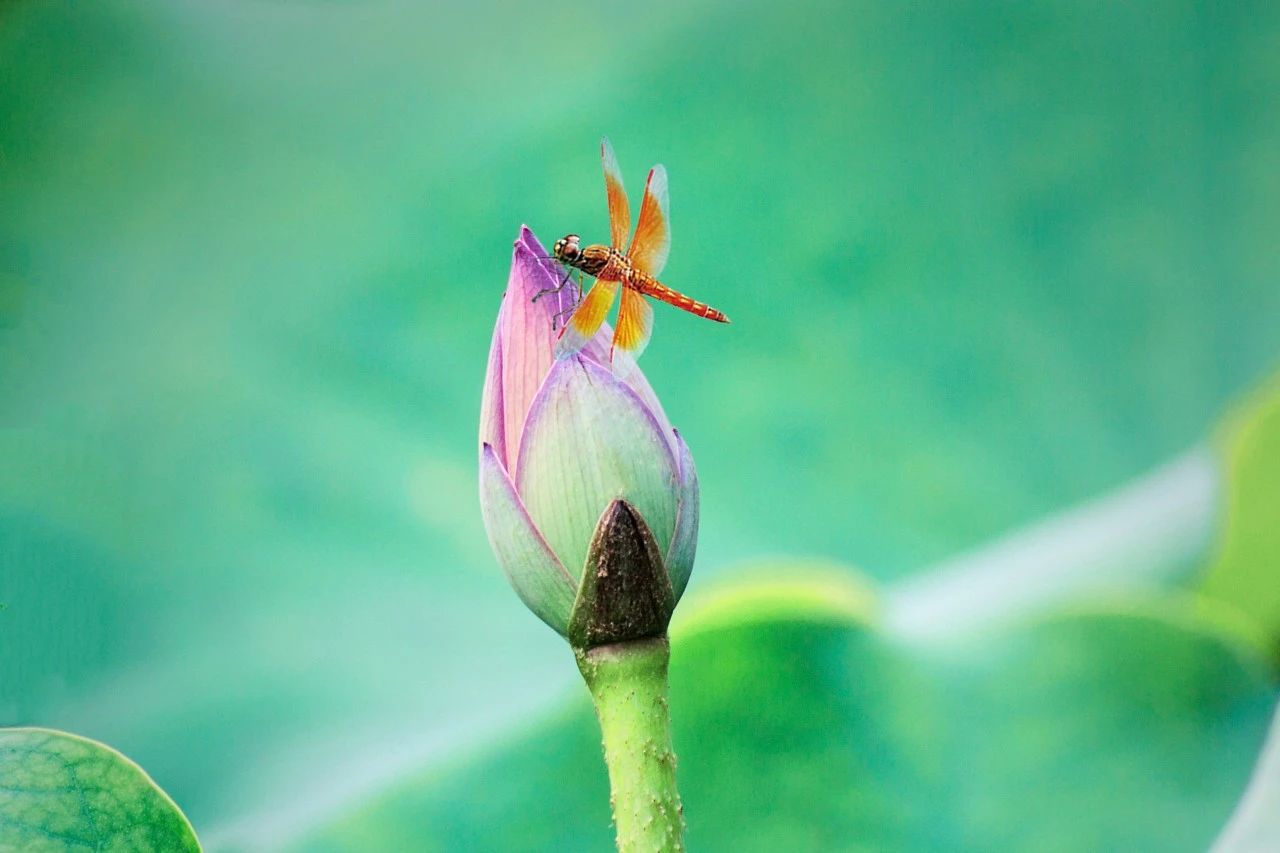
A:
(589, 440)
(492, 424)
(528, 336)
(537, 575)
(684, 544)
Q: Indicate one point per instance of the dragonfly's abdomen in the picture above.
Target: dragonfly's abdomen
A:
(650, 286)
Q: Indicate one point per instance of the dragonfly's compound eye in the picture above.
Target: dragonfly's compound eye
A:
(567, 247)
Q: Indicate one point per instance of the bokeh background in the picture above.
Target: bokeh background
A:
(1004, 287)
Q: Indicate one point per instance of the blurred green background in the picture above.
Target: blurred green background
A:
(985, 261)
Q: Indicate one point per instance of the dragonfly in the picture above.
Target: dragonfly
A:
(635, 269)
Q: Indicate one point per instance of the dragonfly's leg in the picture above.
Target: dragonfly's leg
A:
(571, 308)
(559, 287)
(555, 317)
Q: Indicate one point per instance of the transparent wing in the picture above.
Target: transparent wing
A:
(635, 323)
(619, 211)
(586, 318)
(652, 243)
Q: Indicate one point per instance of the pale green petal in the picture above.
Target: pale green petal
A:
(538, 577)
(588, 441)
(625, 368)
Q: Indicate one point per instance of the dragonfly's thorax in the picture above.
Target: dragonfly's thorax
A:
(602, 262)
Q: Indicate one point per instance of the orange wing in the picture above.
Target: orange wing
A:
(586, 319)
(635, 323)
(652, 243)
(619, 212)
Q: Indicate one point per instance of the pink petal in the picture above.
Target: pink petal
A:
(492, 422)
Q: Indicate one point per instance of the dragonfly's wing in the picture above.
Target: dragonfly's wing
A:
(586, 318)
(635, 323)
(619, 211)
(652, 243)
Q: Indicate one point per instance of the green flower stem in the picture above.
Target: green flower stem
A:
(628, 682)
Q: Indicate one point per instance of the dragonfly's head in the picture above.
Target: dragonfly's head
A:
(567, 248)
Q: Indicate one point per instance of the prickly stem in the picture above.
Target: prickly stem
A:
(628, 683)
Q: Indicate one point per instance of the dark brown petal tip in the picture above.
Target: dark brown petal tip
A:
(625, 593)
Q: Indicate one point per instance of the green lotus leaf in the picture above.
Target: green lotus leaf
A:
(63, 792)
